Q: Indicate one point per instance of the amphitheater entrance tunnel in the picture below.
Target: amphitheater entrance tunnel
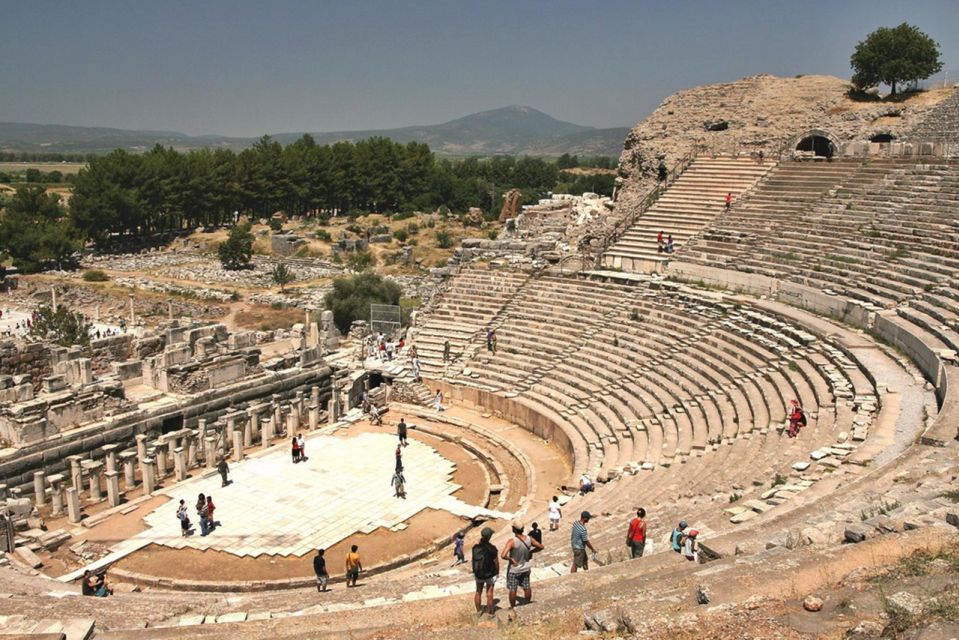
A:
(820, 145)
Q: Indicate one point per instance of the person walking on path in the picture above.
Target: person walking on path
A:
(458, 557)
(399, 482)
(446, 351)
(555, 513)
(399, 458)
(224, 469)
(319, 568)
(375, 417)
(636, 537)
(401, 432)
(729, 200)
(184, 518)
(296, 450)
(678, 536)
(201, 512)
(210, 508)
(301, 444)
(536, 534)
(517, 553)
(485, 569)
(353, 566)
(438, 401)
(579, 541)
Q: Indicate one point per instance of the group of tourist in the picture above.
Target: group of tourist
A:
(298, 449)
(385, 350)
(205, 513)
(685, 542)
(664, 245)
(354, 565)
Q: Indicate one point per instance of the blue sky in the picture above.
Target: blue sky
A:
(247, 68)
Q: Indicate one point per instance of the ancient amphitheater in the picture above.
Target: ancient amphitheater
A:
(667, 377)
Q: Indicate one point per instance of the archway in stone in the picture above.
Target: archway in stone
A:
(819, 145)
(882, 137)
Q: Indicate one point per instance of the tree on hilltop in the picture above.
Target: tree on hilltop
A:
(235, 252)
(894, 55)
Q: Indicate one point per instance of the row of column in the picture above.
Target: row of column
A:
(181, 449)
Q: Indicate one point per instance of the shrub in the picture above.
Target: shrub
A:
(324, 235)
(282, 275)
(360, 261)
(275, 224)
(352, 296)
(444, 240)
(95, 275)
(401, 235)
(412, 228)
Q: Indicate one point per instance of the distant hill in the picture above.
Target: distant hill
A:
(510, 130)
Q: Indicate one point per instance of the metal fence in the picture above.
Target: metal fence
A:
(385, 318)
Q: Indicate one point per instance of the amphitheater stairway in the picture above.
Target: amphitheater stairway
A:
(688, 206)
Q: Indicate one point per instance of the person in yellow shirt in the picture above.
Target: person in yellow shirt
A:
(353, 566)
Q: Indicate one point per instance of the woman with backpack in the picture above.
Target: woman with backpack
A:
(485, 569)
(797, 419)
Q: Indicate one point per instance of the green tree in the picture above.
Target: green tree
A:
(62, 326)
(360, 260)
(36, 232)
(236, 251)
(282, 275)
(894, 55)
(352, 296)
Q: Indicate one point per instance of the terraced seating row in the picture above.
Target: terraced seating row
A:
(646, 375)
(474, 298)
(886, 236)
(688, 206)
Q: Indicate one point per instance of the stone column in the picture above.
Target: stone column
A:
(141, 446)
(129, 470)
(73, 505)
(160, 451)
(201, 428)
(315, 395)
(113, 488)
(292, 423)
(93, 476)
(300, 405)
(56, 493)
(237, 446)
(267, 433)
(96, 314)
(254, 424)
(133, 315)
(248, 433)
(231, 424)
(76, 473)
(169, 310)
(179, 463)
(331, 404)
(209, 456)
(39, 488)
(191, 446)
(149, 479)
(277, 413)
(314, 416)
(3, 491)
(111, 456)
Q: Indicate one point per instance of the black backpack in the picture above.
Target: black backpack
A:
(484, 561)
(802, 417)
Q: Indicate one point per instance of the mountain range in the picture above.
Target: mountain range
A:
(514, 130)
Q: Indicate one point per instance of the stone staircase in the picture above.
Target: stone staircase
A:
(941, 123)
(688, 206)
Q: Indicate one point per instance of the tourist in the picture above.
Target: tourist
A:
(399, 458)
(729, 200)
(375, 417)
(353, 566)
(184, 518)
(678, 536)
(579, 541)
(446, 351)
(416, 369)
(659, 242)
(399, 482)
(661, 172)
(401, 432)
(458, 556)
(669, 244)
(438, 401)
(797, 419)
(296, 450)
(690, 548)
(224, 469)
(302, 446)
(536, 534)
(210, 508)
(489, 340)
(762, 156)
(585, 485)
(201, 511)
(485, 569)
(517, 553)
(95, 584)
(636, 537)
(555, 513)
(319, 568)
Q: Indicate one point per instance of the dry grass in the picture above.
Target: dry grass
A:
(262, 318)
(62, 167)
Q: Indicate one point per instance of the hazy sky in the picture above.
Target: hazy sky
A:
(246, 68)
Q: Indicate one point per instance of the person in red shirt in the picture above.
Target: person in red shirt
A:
(729, 200)
(210, 508)
(797, 419)
(636, 538)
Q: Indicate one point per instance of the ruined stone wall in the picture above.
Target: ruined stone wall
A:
(25, 359)
(756, 113)
(105, 351)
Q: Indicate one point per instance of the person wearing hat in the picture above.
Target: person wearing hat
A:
(517, 553)
(580, 542)
(690, 548)
(678, 537)
(485, 570)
